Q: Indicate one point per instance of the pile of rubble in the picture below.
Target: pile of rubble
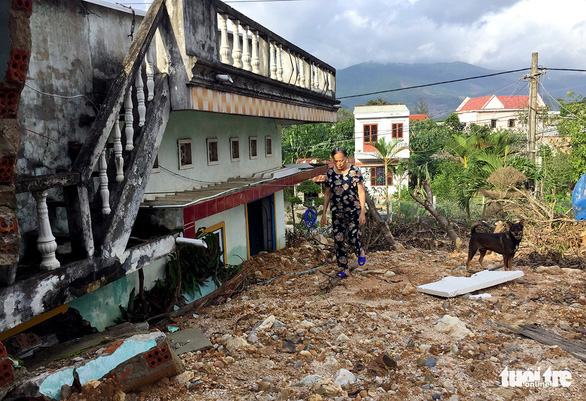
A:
(373, 336)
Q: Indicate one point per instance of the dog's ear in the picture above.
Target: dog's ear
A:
(509, 224)
(522, 222)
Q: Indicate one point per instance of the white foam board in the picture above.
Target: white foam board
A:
(451, 286)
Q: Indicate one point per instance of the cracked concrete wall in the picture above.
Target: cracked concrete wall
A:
(76, 51)
(14, 60)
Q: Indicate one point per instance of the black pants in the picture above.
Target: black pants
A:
(346, 228)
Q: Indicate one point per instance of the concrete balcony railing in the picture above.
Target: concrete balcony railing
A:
(247, 45)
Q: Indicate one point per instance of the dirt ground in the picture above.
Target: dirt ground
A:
(374, 337)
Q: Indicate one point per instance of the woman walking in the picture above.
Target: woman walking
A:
(345, 194)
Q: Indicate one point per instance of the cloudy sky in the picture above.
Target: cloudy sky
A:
(495, 34)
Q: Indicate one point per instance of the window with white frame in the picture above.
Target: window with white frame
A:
(235, 149)
(253, 147)
(185, 154)
(212, 145)
(268, 146)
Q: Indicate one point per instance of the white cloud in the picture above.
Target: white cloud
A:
(497, 34)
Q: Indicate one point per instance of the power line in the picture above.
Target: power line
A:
(564, 69)
(435, 83)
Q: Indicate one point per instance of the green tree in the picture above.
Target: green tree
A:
(556, 173)
(387, 152)
(374, 102)
(421, 107)
(317, 140)
(572, 126)
(426, 139)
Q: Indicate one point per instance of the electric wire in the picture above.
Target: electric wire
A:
(61, 96)
(434, 83)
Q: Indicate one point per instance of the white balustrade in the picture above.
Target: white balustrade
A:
(255, 60)
(150, 84)
(279, 50)
(104, 191)
(46, 243)
(293, 71)
(236, 52)
(273, 61)
(118, 158)
(128, 120)
(141, 107)
(245, 50)
(224, 47)
(302, 72)
(261, 55)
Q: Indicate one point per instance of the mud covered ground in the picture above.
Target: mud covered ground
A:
(374, 337)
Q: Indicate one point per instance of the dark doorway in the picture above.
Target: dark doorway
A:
(261, 225)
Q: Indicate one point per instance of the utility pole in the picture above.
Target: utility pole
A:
(532, 134)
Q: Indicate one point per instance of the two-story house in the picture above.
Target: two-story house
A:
(499, 112)
(121, 130)
(373, 122)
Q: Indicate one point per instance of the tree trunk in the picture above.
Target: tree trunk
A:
(387, 191)
(399, 200)
(379, 221)
(441, 219)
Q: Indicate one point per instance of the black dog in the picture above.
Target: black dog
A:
(505, 243)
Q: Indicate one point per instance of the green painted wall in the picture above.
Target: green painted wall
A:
(100, 307)
(235, 224)
(200, 126)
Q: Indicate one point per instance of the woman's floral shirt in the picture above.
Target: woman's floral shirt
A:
(344, 189)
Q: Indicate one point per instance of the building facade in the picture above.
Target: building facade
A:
(133, 129)
(372, 123)
(499, 112)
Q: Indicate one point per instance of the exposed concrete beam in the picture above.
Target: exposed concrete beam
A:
(41, 293)
(44, 182)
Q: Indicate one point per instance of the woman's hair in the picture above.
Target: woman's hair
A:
(339, 150)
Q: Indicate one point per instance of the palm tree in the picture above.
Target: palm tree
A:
(387, 153)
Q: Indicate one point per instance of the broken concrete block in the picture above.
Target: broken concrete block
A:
(134, 361)
(453, 286)
(147, 368)
(188, 340)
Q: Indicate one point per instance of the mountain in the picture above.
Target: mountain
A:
(371, 77)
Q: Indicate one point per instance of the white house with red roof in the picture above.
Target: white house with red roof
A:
(371, 123)
(496, 111)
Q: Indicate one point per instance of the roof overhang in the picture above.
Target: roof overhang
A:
(201, 203)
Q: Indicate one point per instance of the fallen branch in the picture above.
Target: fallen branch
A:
(427, 203)
(226, 290)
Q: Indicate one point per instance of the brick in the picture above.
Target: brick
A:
(25, 6)
(6, 372)
(9, 102)
(17, 66)
(147, 368)
(7, 170)
(3, 352)
(158, 356)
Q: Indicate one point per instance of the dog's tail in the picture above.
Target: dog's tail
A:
(473, 229)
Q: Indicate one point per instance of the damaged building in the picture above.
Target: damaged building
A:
(121, 131)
